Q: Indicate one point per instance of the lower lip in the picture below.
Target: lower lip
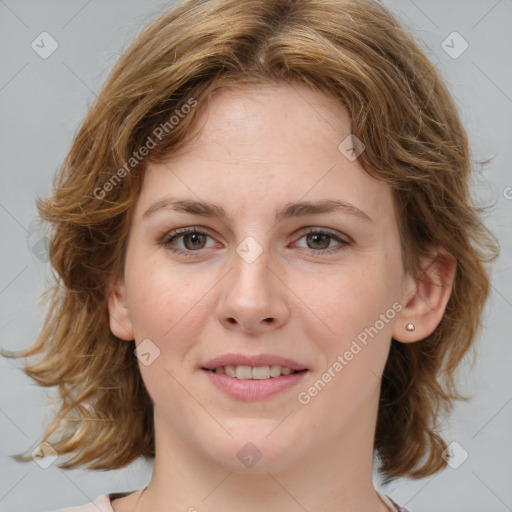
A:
(254, 389)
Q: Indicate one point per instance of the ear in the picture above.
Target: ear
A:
(426, 298)
(119, 315)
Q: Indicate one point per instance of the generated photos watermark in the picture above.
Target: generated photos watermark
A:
(151, 142)
(305, 397)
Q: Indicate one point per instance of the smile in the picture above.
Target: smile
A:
(253, 388)
(245, 372)
(253, 376)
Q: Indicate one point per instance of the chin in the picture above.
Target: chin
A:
(255, 453)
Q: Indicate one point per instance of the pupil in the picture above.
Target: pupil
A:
(195, 238)
(317, 237)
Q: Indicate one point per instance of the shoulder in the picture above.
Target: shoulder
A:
(100, 504)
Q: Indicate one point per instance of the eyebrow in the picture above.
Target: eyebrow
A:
(289, 210)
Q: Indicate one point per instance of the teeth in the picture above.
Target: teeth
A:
(275, 371)
(261, 372)
(254, 372)
(230, 371)
(243, 372)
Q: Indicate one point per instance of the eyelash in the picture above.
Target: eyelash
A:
(178, 233)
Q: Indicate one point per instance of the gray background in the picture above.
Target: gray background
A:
(42, 102)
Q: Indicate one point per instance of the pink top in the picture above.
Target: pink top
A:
(103, 504)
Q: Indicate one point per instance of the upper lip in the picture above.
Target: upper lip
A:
(254, 360)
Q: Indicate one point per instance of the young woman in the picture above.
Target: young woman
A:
(269, 262)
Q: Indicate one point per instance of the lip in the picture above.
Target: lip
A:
(253, 360)
(253, 389)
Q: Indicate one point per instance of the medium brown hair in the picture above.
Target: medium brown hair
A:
(414, 141)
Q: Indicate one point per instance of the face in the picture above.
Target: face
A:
(253, 279)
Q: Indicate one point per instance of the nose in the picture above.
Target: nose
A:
(253, 297)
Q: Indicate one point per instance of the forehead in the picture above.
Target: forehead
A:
(265, 145)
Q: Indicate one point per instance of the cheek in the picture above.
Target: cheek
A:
(158, 297)
(352, 298)
(357, 306)
(164, 310)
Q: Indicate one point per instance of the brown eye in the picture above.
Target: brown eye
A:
(194, 241)
(318, 240)
(186, 241)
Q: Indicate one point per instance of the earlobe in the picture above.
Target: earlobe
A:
(426, 302)
(118, 312)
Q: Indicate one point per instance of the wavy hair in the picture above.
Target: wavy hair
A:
(400, 108)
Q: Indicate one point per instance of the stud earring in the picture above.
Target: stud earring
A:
(410, 327)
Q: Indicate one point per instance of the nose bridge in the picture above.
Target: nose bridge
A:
(252, 297)
(251, 274)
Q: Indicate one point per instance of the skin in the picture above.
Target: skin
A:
(258, 149)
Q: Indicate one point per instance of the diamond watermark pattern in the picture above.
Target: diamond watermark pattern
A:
(454, 45)
(44, 45)
(454, 455)
(351, 147)
(147, 352)
(249, 455)
(41, 249)
(45, 455)
(249, 250)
